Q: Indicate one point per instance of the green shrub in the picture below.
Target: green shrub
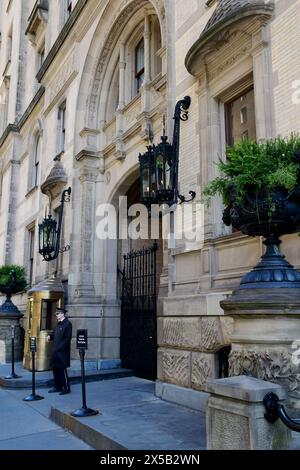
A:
(6, 278)
(266, 165)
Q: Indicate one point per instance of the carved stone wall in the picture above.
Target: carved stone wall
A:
(188, 346)
(273, 365)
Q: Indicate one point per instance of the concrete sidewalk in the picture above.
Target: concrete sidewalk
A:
(132, 417)
(25, 428)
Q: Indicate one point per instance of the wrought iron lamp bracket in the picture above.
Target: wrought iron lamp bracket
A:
(181, 114)
(184, 199)
(64, 249)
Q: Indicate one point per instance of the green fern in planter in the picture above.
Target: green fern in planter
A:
(267, 165)
(13, 279)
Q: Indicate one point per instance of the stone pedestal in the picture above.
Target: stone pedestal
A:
(266, 336)
(235, 416)
(5, 339)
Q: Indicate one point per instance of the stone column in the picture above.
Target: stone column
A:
(88, 173)
(235, 416)
(83, 306)
(92, 302)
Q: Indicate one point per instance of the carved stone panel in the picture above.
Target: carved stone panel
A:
(229, 431)
(174, 367)
(203, 369)
(273, 365)
(211, 337)
(181, 332)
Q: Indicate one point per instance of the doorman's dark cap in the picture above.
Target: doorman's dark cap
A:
(61, 310)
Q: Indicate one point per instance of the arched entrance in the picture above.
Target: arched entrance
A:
(140, 265)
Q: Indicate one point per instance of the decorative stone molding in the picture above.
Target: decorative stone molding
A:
(37, 20)
(272, 365)
(89, 163)
(65, 74)
(61, 38)
(16, 127)
(120, 152)
(227, 14)
(145, 122)
(89, 137)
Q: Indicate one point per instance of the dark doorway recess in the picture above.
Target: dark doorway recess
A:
(138, 344)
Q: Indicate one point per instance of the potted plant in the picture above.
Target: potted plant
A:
(12, 281)
(260, 187)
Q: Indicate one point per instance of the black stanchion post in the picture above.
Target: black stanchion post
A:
(33, 396)
(82, 345)
(13, 375)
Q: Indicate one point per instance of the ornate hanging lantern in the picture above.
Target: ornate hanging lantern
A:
(50, 231)
(159, 165)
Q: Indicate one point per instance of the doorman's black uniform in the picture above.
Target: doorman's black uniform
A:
(60, 358)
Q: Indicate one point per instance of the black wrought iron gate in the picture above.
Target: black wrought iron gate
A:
(138, 312)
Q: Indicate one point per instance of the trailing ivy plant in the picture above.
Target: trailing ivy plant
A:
(257, 166)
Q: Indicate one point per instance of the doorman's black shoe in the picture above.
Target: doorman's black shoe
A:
(65, 392)
(54, 390)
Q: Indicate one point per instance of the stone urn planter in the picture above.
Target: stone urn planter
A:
(12, 281)
(265, 307)
(267, 214)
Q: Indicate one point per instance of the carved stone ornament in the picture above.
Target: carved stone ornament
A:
(227, 14)
(271, 365)
(55, 181)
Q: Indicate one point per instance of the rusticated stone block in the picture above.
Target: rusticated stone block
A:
(174, 367)
(203, 369)
(211, 336)
(227, 325)
(181, 332)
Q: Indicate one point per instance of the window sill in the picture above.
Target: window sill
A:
(31, 191)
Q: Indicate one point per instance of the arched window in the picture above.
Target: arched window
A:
(139, 65)
(34, 170)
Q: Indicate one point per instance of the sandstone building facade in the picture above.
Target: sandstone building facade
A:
(84, 82)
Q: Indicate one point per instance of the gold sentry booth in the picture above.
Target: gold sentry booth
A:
(40, 320)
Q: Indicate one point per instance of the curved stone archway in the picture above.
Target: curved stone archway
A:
(114, 18)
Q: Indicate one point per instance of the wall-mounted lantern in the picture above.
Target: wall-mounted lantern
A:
(159, 165)
(50, 231)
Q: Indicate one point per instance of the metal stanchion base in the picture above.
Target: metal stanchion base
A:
(82, 412)
(33, 397)
(13, 376)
